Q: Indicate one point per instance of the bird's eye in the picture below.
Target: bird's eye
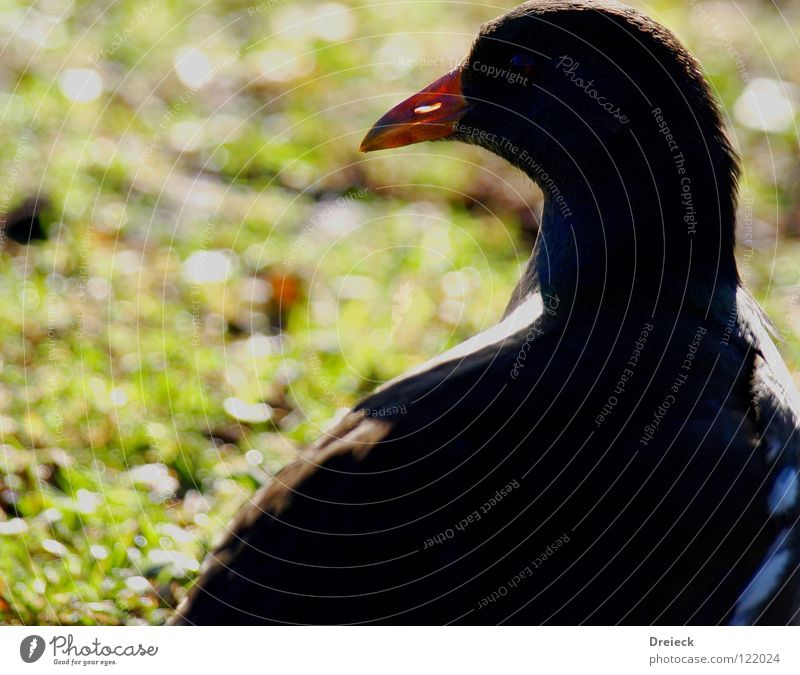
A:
(523, 64)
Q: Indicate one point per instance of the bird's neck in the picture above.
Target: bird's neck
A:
(637, 234)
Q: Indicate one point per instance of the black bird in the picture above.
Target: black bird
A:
(623, 446)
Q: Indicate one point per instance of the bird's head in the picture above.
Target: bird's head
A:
(612, 117)
(556, 86)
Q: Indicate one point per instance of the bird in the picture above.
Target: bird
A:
(622, 446)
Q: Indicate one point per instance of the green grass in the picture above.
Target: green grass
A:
(129, 362)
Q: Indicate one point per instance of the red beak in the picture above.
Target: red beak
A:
(430, 113)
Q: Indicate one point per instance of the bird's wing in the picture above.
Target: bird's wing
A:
(263, 521)
(773, 594)
(347, 518)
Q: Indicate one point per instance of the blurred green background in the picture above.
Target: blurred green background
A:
(199, 271)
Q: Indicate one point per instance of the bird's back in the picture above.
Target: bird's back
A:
(576, 470)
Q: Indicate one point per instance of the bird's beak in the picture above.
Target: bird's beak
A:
(431, 113)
